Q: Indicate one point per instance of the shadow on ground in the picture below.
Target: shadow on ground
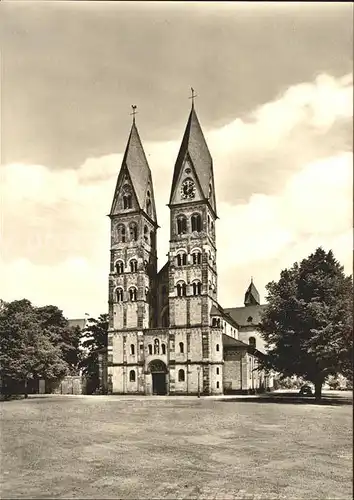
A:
(293, 398)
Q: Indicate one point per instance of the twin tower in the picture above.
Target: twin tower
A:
(161, 339)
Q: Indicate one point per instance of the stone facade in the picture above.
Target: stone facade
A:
(167, 332)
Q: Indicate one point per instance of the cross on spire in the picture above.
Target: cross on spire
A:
(193, 96)
(134, 112)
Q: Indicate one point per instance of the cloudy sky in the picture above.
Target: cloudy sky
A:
(275, 100)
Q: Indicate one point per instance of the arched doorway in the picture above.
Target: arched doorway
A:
(158, 372)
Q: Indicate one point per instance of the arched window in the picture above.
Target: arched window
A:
(133, 266)
(119, 267)
(148, 203)
(217, 347)
(214, 322)
(132, 349)
(197, 257)
(181, 259)
(133, 231)
(156, 346)
(146, 234)
(132, 376)
(181, 289)
(150, 349)
(217, 385)
(121, 233)
(132, 294)
(197, 288)
(181, 347)
(217, 371)
(119, 293)
(163, 349)
(196, 222)
(180, 375)
(127, 201)
(181, 224)
(252, 341)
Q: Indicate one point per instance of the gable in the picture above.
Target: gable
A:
(186, 181)
(124, 190)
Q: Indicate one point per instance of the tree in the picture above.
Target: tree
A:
(95, 338)
(308, 321)
(26, 350)
(67, 338)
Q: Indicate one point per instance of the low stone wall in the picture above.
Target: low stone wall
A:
(72, 384)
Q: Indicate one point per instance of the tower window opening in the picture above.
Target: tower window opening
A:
(150, 349)
(121, 233)
(163, 349)
(133, 266)
(181, 289)
(119, 294)
(181, 259)
(133, 294)
(181, 347)
(217, 347)
(197, 288)
(119, 267)
(133, 231)
(217, 371)
(132, 376)
(127, 201)
(197, 257)
(152, 238)
(181, 224)
(148, 203)
(181, 376)
(196, 222)
(146, 234)
(217, 385)
(210, 194)
(156, 346)
(132, 349)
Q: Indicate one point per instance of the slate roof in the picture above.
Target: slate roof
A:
(241, 315)
(252, 295)
(194, 145)
(135, 162)
(230, 341)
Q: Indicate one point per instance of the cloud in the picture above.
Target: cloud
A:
(284, 187)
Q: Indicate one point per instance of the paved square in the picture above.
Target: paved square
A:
(112, 447)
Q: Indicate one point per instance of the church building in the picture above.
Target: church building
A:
(167, 332)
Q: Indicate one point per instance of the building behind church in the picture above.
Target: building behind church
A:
(167, 332)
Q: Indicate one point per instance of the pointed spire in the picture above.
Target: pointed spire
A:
(252, 295)
(135, 163)
(194, 147)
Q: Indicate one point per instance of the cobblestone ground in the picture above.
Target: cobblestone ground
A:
(185, 448)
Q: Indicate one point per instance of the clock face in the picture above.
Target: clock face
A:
(188, 189)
